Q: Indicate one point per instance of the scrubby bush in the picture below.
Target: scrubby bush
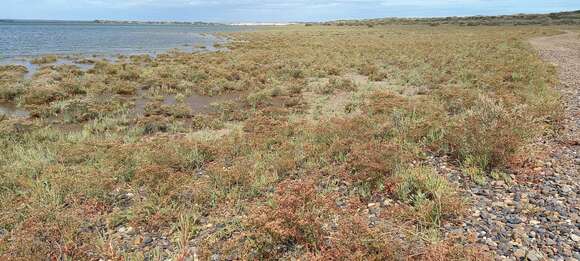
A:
(44, 59)
(368, 69)
(335, 84)
(378, 76)
(77, 111)
(11, 84)
(38, 95)
(259, 97)
(488, 134)
(11, 91)
(295, 217)
(430, 195)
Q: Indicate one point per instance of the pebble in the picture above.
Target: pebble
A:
(520, 253)
(130, 231)
(534, 256)
(535, 216)
(121, 229)
(147, 240)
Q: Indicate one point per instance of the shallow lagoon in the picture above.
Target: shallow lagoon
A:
(34, 38)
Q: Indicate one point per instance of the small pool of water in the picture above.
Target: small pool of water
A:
(10, 110)
(196, 103)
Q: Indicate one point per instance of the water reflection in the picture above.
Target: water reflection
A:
(12, 111)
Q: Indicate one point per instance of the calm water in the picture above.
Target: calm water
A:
(20, 41)
(34, 38)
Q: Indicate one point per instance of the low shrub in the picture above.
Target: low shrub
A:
(429, 194)
(39, 95)
(296, 216)
(487, 133)
(368, 69)
(44, 59)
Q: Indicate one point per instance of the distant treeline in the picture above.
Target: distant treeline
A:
(562, 18)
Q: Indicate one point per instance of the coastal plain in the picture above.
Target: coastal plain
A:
(288, 142)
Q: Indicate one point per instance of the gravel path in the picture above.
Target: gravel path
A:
(536, 217)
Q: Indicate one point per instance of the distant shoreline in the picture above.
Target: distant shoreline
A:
(263, 24)
(113, 22)
(199, 23)
(127, 22)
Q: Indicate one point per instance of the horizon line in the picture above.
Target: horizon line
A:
(271, 22)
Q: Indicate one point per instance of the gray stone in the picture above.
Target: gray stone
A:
(534, 256)
(147, 240)
(520, 253)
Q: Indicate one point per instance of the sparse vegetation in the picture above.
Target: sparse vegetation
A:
(320, 156)
(44, 59)
(561, 18)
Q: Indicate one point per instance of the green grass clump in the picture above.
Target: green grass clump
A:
(11, 81)
(429, 193)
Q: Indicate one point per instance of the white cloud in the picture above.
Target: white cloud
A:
(268, 10)
(239, 3)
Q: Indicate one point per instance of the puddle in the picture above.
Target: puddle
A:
(10, 110)
(199, 103)
(196, 103)
(140, 102)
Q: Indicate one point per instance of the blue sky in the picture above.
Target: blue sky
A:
(268, 10)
